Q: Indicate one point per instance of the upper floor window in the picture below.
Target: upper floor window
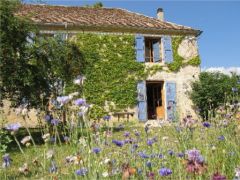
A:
(152, 49)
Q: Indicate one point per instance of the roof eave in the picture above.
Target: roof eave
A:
(119, 29)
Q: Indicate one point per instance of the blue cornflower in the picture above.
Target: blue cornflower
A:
(106, 118)
(80, 102)
(149, 164)
(165, 172)
(81, 172)
(126, 134)
(206, 124)
(96, 150)
(48, 118)
(170, 152)
(195, 156)
(55, 122)
(13, 127)
(180, 154)
(143, 155)
(6, 160)
(221, 138)
(53, 168)
(118, 143)
(150, 142)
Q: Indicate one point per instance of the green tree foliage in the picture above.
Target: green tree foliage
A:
(212, 90)
(30, 68)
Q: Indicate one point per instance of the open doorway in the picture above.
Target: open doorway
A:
(155, 100)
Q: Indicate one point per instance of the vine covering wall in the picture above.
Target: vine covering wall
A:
(111, 71)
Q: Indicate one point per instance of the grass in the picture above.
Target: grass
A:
(220, 155)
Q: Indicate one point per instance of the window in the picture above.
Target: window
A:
(152, 49)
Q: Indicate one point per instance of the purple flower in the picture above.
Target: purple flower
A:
(63, 99)
(221, 138)
(53, 168)
(96, 150)
(218, 176)
(48, 118)
(55, 122)
(80, 102)
(137, 133)
(52, 139)
(81, 172)
(106, 118)
(206, 124)
(170, 152)
(150, 142)
(126, 134)
(195, 156)
(13, 127)
(143, 155)
(118, 143)
(6, 160)
(66, 138)
(165, 172)
(149, 164)
(180, 154)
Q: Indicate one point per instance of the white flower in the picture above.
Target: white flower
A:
(237, 171)
(164, 138)
(106, 161)
(50, 154)
(46, 136)
(26, 139)
(105, 174)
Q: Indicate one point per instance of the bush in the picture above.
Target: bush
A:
(212, 90)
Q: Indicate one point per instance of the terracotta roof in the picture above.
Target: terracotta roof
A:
(98, 17)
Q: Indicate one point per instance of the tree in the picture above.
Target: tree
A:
(31, 67)
(211, 91)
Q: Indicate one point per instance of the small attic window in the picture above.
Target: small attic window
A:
(152, 49)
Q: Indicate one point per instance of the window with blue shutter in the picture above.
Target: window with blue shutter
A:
(156, 51)
(140, 48)
(142, 101)
(167, 45)
(171, 100)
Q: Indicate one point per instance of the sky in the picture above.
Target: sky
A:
(219, 44)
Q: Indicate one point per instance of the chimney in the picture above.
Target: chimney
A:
(160, 14)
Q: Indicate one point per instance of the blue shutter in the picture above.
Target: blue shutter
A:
(167, 45)
(156, 51)
(171, 100)
(142, 101)
(140, 48)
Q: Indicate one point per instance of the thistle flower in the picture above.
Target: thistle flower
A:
(150, 175)
(25, 140)
(6, 160)
(96, 150)
(218, 176)
(80, 102)
(81, 172)
(13, 127)
(165, 172)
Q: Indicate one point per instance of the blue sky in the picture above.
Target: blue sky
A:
(219, 44)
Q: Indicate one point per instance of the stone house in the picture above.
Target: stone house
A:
(164, 94)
